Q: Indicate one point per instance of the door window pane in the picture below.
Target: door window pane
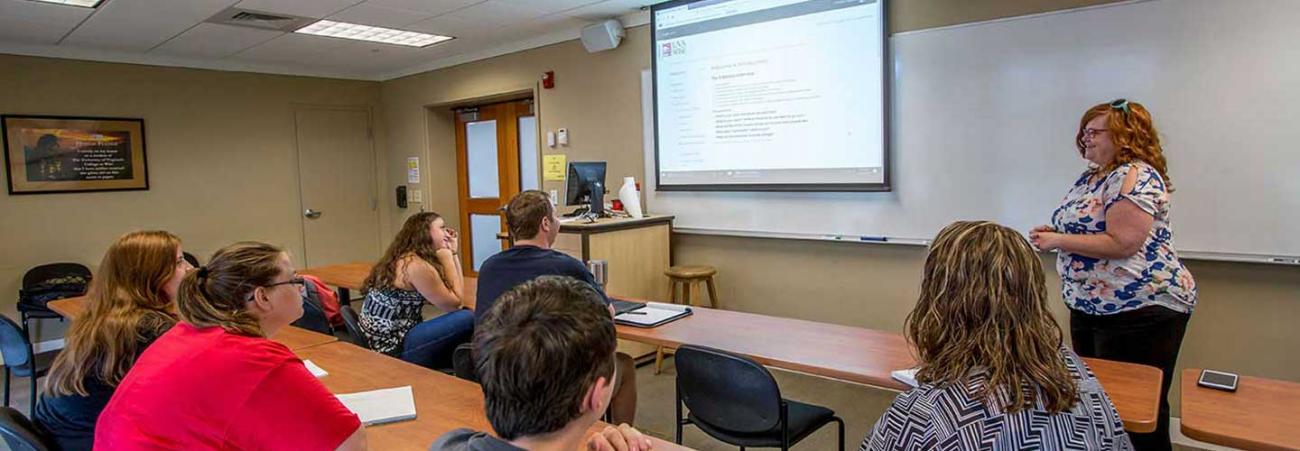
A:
(528, 165)
(484, 229)
(481, 140)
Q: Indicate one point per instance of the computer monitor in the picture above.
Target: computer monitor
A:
(586, 186)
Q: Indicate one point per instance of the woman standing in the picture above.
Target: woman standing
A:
(129, 306)
(420, 266)
(1130, 297)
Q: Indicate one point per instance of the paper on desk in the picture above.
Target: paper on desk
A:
(907, 376)
(315, 370)
(652, 313)
(381, 406)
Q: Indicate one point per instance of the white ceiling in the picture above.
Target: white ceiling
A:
(173, 32)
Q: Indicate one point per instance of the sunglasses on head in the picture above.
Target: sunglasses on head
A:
(1120, 104)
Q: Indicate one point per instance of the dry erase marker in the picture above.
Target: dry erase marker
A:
(875, 239)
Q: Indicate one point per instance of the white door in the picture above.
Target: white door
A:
(336, 178)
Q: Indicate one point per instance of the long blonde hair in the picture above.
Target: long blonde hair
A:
(983, 305)
(217, 294)
(126, 305)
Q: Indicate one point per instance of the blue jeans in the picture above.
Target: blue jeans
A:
(431, 343)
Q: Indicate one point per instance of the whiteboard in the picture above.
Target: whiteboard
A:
(984, 118)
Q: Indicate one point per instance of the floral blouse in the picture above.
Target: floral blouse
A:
(1152, 276)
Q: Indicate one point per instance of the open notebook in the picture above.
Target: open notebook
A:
(652, 314)
(381, 406)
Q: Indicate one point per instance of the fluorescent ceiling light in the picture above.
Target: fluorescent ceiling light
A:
(81, 3)
(373, 34)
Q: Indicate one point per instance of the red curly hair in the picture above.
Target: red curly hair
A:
(1133, 133)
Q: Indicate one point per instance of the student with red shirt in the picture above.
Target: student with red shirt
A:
(214, 381)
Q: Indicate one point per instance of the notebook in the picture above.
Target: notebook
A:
(315, 370)
(381, 406)
(653, 314)
(621, 306)
(907, 376)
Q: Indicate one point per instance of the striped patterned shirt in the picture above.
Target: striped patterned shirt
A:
(951, 417)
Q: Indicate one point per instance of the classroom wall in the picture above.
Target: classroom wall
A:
(1244, 322)
(222, 165)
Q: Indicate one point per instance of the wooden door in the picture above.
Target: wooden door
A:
(488, 174)
(336, 170)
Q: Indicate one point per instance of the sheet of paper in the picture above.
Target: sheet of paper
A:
(649, 315)
(316, 370)
(381, 406)
(907, 376)
(553, 168)
(412, 169)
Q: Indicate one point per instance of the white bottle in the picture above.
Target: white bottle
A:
(630, 197)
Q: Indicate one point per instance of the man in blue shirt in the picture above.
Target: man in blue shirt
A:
(534, 225)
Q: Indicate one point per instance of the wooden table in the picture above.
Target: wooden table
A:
(442, 402)
(350, 276)
(865, 356)
(292, 337)
(1262, 414)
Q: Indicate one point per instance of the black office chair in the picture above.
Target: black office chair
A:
(354, 326)
(20, 434)
(735, 400)
(462, 362)
(19, 359)
(46, 283)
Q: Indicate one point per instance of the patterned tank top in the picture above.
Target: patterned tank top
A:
(387, 315)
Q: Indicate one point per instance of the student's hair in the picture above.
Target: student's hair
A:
(1133, 132)
(125, 303)
(413, 239)
(539, 350)
(217, 294)
(524, 213)
(983, 306)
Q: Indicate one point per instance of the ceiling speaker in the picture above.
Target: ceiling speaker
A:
(602, 36)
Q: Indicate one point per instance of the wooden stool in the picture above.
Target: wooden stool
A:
(689, 277)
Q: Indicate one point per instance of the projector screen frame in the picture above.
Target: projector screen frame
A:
(886, 80)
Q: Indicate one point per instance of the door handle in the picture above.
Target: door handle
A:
(311, 214)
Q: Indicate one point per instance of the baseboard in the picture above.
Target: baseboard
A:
(1176, 436)
(48, 345)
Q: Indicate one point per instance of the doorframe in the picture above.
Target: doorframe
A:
(294, 109)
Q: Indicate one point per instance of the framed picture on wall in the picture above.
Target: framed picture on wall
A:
(57, 154)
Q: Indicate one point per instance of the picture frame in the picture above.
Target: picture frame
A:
(73, 154)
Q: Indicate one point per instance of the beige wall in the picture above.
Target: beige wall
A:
(221, 156)
(1245, 322)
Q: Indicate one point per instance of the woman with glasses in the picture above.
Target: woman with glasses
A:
(130, 304)
(1130, 297)
(215, 381)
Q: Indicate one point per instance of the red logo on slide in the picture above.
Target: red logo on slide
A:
(667, 49)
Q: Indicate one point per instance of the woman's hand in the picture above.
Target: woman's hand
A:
(621, 438)
(451, 240)
(1045, 238)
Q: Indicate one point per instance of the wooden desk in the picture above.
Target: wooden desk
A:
(442, 402)
(1262, 414)
(293, 337)
(350, 276)
(865, 356)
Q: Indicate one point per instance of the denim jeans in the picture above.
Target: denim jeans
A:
(431, 343)
(1148, 336)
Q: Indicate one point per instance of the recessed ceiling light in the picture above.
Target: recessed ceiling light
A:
(373, 34)
(81, 3)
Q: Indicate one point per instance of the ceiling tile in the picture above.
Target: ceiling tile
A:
(496, 13)
(447, 25)
(38, 23)
(290, 48)
(380, 16)
(140, 25)
(305, 8)
(551, 6)
(209, 40)
(610, 8)
(433, 7)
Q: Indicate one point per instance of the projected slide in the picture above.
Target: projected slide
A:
(769, 94)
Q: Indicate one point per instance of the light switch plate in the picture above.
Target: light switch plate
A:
(417, 195)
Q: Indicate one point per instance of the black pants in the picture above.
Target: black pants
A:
(1147, 336)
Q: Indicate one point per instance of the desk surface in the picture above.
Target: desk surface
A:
(293, 337)
(864, 356)
(1261, 414)
(442, 402)
(347, 275)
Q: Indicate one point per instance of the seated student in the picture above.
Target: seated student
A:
(534, 225)
(993, 372)
(214, 381)
(420, 266)
(545, 359)
(129, 305)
